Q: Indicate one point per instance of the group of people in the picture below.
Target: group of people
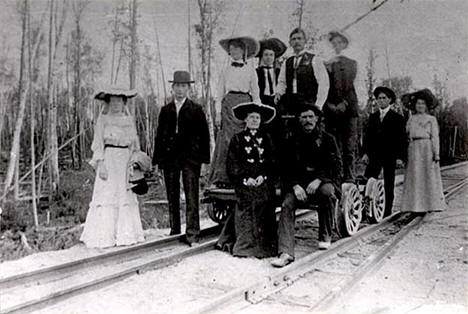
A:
(292, 126)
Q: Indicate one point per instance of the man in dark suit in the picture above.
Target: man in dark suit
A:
(182, 144)
(341, 108)
(385, 143)
(311, 173)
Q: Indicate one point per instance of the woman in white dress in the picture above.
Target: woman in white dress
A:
(238, 84)
(113, 218)
(422, 190)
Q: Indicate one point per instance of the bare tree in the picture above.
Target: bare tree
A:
(133, 43)
(299, 12)
(370, 78)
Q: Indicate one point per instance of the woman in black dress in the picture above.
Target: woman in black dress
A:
(250, 167)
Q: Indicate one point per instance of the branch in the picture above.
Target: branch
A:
(364, 15)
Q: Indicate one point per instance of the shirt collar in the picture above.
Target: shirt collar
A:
(238, 61)
(383, 112)
(179, 103)
(300, 54)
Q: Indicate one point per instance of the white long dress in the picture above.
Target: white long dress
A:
(113, 218)
(422, 189)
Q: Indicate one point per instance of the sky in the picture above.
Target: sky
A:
(420, 37)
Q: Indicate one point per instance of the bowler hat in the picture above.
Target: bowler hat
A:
(251, 45)
(114, 90)
(307, 107)
(241, 111)
(387, 91)
(272, 44)
(181, 77)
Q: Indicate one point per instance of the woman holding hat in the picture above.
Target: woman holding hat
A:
(113, 217)
(238, 84)
(422, 191)
(250, 166)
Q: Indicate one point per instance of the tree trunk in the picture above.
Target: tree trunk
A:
(15, 148)
(54, 175)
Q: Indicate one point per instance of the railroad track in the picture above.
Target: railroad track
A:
(38, 289)
(367, 249)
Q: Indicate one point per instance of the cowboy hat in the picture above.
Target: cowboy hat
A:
(251, 45)
(424, 94)
(181, 77)
(241, 111)
(387, 91)
(115, 91)
(337, 33)
(272, 44)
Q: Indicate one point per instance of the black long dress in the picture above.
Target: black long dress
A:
(251, 155)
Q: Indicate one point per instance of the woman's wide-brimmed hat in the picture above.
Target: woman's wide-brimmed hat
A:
(241, 111)
(272, 44)
(387, 91)
(182, 77)
(409, 100)
(113, 90)
(251, 45)
(337, 33)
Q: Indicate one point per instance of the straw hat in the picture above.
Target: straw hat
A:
(424, 94)
(251, 45)
(115, 91)
(241, 111)
(272, 44)
(337, 33)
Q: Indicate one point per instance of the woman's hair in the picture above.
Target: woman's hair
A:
(237, 43)
(105, 109)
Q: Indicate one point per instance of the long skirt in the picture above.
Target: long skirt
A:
(422, 189)
(113, 217)
(251, 229)
(229, 127)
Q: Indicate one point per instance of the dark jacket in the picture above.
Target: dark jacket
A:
(342, 73)
(307, 85)
(261, 85)
(250, 156)
(191, 143)
(308, 157)
(387, 139)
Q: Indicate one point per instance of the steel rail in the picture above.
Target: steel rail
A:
(258, 291)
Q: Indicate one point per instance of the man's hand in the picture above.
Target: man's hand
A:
(400, 163)
(365, 159)
(300, 193)
(313, 186)
(103, 174)
(277, 98)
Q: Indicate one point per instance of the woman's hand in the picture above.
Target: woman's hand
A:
(436, 158)
(259, 181)
(218, 119)
(103, 174)
(251, 182)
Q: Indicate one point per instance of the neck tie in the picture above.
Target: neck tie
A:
(237, 64)
(270, 81)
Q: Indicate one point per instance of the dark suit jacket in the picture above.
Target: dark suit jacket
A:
(387, 139)
(191, 144)
(342, 73)
(307, 157)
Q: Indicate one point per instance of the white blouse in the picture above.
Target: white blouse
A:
(238, 79)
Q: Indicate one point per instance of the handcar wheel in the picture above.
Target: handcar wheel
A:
(377, 203)
(350, 212)
(218, 211)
